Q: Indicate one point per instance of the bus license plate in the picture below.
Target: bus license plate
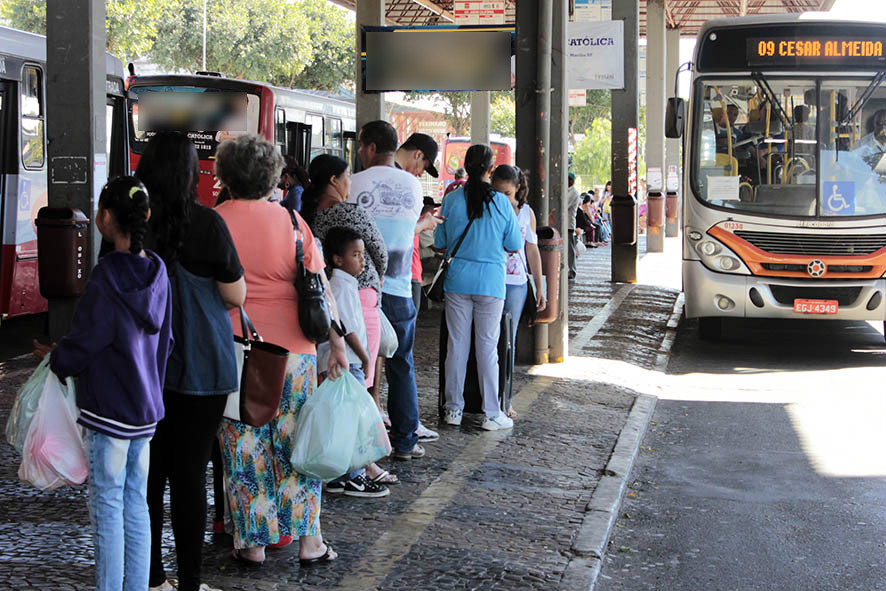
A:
(816, 306)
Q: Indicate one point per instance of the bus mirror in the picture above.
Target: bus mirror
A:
(675, 117)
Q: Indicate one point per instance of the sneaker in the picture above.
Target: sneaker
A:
(416, 452)
(452, 417)
(360, 487)
(425, 435)
(205, 587)
(336, 487)
(166, 586)
(502, 421)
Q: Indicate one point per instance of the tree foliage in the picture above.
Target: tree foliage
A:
(502, 115)
(599, 104)
(592, 159)
(303, 43)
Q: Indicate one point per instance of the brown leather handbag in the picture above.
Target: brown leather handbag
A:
(263, 375)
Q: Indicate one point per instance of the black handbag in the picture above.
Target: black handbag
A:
(313, 309)
(434, 291)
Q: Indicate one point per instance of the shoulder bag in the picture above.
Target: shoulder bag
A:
(434, 291)
(313, 309)
(530, 307)
(262, 375)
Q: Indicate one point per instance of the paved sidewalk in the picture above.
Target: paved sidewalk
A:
(480, 511)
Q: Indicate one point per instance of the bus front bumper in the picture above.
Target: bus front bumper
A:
(745, 296)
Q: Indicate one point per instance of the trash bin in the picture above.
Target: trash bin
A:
(671, 207)
(655, 203)
(624, 220)
(62, 251)
(550, 245)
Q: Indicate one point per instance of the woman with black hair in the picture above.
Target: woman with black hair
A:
(483, 220)
(206, 278)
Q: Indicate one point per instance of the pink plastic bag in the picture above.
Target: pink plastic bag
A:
(53, 453)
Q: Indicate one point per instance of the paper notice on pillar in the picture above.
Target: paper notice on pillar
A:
(653, 179)
(596, 55)
(578, 98)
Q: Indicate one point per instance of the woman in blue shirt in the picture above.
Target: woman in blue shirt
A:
(475, 283)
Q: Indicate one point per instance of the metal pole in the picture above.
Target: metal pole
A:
(370, 106)
(480, 117)
(672, 151)
(75, 94)
(656, 91)
(558, 331)
(204, 35)
(624, 117)
(543, 138)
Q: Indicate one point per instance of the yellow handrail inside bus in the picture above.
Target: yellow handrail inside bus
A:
(728, 133)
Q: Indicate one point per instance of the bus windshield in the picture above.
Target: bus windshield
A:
(791, 147)
(188, 107)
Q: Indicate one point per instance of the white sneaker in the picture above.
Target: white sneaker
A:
(165, 586)
(452, 417)
(425, 435)
(205, 587)
(502, 421)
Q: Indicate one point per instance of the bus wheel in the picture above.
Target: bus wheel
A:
(710, 328)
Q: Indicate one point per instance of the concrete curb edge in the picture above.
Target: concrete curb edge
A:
(589, 545)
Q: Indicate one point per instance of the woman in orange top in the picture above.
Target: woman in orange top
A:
(269, 502)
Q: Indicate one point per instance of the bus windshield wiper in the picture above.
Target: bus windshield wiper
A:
(863, 99)
(770, 96)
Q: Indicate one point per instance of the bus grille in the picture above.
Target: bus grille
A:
(786, 294)
(815, 244)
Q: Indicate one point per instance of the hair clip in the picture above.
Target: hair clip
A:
(133, 191)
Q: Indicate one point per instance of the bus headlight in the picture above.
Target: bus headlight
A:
(708, 248)
(727, 263)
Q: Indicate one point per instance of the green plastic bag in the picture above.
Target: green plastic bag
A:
(326, 433)
(25, 406)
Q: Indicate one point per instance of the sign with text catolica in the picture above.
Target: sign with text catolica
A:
(596, 54)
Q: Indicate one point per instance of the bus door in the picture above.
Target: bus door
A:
(6, 169)
(298, 142)
(350, 140)
(117, 152)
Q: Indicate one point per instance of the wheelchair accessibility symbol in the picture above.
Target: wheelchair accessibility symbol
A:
(839, 198)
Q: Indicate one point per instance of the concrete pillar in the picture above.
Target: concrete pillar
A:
(370, 106)
(624, 116)
(656, 98)
(673, 146)
(76, 137)
(532, 344)
(480, 117)
(558, 332)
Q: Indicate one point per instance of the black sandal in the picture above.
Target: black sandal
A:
(245, 561)
(306, 562)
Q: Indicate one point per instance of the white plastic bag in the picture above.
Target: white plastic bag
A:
(372, 441)
(389, 343)
(580, 247)
(53, 453)
(26, 405)
(326, 433)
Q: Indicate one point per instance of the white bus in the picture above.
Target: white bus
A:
(785, 170)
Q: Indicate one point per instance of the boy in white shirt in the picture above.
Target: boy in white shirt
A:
(344, 252)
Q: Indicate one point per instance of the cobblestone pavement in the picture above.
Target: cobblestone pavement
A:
(480, 511)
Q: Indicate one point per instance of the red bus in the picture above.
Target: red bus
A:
(23, 185)
(301, 123)
(454, 149)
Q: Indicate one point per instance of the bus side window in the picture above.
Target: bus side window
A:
(316, 123)
(32, 117)
(280, 130)
(335, 139)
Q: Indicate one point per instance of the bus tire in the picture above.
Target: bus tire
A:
(710, 328)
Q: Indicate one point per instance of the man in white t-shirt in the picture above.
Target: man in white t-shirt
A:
(394, 198)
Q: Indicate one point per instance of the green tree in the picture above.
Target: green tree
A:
(502, 115)
(131, 25)
(599, 104)
(592, 159)
(331, 33)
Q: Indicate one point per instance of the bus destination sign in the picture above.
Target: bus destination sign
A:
(866, 52)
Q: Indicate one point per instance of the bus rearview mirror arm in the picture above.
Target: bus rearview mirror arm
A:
(676, 111)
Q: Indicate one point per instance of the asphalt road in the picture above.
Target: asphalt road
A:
(764, 467)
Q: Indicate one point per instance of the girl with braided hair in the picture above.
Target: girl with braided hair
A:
(118, 346)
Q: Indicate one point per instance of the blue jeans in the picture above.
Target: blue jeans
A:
(118, 482)
(515, 299)
(400, 371)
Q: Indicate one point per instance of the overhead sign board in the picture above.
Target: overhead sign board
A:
(479, 12)
(596, 54)
(592, 10)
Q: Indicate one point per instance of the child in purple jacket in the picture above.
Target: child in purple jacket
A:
(119, 342)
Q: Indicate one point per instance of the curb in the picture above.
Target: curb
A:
(589, 545)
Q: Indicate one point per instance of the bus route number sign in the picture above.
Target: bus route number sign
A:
(816, 51)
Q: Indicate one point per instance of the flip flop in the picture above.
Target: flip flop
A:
(380, 479)
(245, 561)
(307, 562)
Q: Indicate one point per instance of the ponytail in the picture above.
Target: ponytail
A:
(127, 200)
(478, 193)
